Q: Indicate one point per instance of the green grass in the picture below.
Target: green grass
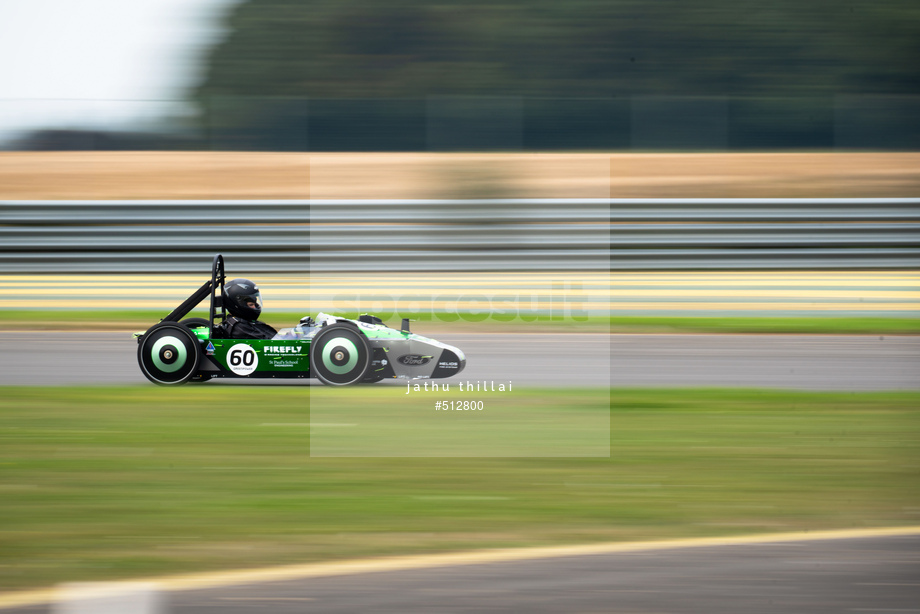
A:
(104, 483)
(132, 320)
(66, 319)
(769, 325)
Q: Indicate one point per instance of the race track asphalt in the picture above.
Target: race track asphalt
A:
(867, 574)
(843, 576)
(815, 362)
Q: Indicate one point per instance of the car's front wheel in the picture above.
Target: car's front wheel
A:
(340, 355)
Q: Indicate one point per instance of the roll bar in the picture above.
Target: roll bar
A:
(213, 287)
(217, 284)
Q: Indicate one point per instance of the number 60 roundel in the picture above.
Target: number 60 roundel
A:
(242, 359)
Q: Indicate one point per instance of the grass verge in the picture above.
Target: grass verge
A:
(137, 320)
(105, 483)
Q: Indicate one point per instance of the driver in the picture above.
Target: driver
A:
(244, 302)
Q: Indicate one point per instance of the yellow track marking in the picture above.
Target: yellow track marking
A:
(802, 291)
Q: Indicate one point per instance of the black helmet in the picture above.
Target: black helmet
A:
(242, 299)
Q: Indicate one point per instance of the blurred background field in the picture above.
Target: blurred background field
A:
(89, 175)
(203, 479)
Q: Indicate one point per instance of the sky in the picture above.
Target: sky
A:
(122, 64)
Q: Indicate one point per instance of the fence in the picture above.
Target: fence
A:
(459, 235)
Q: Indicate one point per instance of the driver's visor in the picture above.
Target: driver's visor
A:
(250, 299)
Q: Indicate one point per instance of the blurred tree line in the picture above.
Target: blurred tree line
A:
(580, 74)
(344, 49)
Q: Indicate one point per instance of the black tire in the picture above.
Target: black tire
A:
(340, 355)
(169, 354)
(195, 322)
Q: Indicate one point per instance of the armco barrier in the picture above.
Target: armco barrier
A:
(453, 235)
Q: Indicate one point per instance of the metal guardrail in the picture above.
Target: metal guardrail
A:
(472, 235)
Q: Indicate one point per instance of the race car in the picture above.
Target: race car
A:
(335, 350)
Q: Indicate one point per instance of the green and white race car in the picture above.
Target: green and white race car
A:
(337, 351)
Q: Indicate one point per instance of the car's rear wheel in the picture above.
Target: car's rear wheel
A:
(340, 355)
(169, 354)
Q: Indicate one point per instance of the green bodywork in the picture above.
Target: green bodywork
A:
(274, 356)
(284, 355)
